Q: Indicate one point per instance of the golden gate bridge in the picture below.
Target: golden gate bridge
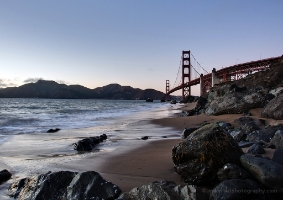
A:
(192, 73)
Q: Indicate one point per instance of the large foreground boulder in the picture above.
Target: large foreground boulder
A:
(64, 185)
(198, 158)
(274, 109)
(265, 171)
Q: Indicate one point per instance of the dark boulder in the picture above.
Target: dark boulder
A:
(144, 137)
(264, 135)
(238, 135)
(64, 185)
(155, 190)
(44, 186)
(198, 158)
(87, 144)
(265, 171)
(236, 189)
(5, 175)
(187, 131)
(278, 156)
(254, 124)
(277, 140)
(274, 109)
(256, 149)
(53, 130)
(166, 190)
(232, 171)
(90, 185)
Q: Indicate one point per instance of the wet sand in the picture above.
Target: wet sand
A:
(129, 164)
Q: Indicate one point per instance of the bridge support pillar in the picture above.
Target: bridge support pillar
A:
(186, 73)
(214, 79)
(201, 84)
(167, 90)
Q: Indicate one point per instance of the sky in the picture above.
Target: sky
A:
(133, 43)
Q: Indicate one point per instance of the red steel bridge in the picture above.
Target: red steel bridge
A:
(194, 74)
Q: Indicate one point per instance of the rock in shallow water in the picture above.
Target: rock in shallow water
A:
(64, 185)
(4, 175)
(198, 158)
(265, 171)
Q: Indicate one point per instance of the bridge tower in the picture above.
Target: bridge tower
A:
(167, 90)
(186, 73)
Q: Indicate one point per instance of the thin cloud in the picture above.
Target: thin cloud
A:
(32, 80)
(7, 83)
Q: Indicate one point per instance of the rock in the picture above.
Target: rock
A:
(256, 124)
(243, 144)
(278, 156)
(44, 186)
(53, 130)
(144, 137)
(238, 135)
(198, 158)
(264, 135)
(165, 190)
(155, 190)
(265, 171)
(256, 149)
(277, 140)
(222, 101)
(64, 185)
(5, 175)
(87, 144)
(90, 185)
(231, 171)
(274, 109)
(187, 131)
(236, 189)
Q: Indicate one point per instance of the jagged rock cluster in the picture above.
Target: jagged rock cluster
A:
(64, 185)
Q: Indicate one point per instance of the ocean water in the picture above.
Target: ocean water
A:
(29, 116)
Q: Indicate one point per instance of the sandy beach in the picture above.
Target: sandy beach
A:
(135, 163)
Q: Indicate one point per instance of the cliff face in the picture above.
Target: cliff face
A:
(53, 90)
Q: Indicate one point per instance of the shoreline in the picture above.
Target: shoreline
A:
(130, 162)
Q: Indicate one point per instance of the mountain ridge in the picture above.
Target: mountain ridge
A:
(53, 90)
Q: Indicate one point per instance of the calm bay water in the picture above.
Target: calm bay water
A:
(26, 116)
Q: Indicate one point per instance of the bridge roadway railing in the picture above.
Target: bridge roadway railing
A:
(228, 74)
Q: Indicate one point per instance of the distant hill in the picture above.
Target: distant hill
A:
(54, 90)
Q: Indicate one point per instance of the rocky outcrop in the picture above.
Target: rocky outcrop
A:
(236, 189)
(274, 109)
(64, 185)
(198, 158)
(87, 144)
(265, 171)
(5, 175)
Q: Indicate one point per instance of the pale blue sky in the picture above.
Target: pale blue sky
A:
(137, 43)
